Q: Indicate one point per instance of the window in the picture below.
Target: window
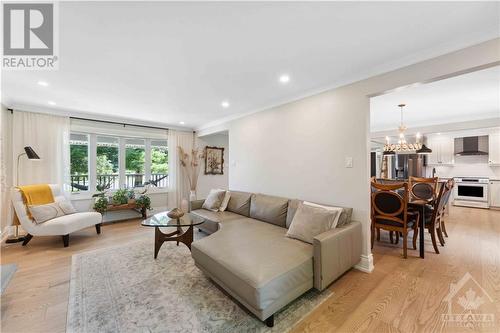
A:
(79, 152)
(117, 162)
(159, 163)
(107, 168)
(135, 154)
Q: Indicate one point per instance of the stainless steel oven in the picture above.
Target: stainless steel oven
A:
(471, 192)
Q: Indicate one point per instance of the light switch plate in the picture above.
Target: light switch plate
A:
(348, 162)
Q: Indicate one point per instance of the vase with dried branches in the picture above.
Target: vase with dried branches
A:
(191, 165)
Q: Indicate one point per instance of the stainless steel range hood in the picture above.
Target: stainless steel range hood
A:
(471, 145)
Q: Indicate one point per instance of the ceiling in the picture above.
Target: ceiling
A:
(467, 97)
(176, 62)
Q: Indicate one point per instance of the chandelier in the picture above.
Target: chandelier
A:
(403, 146)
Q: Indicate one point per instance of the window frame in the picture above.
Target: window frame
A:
(92, 162)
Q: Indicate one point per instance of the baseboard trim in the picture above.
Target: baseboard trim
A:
(365, 264)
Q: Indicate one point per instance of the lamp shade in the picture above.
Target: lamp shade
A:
(31, 154)
(424, 150)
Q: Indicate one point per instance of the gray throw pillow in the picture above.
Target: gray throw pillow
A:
(67, 207)
(214, 200)
(44, 213)
(310, 221)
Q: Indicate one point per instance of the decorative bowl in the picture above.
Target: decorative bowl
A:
(175, 213)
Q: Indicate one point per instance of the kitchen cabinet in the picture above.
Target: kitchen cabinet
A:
(442, 150)
(495, 193)
(494, 148)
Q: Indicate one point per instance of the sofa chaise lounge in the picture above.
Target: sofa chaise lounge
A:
(250, 257)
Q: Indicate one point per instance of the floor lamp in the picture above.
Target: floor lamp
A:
(31, 155)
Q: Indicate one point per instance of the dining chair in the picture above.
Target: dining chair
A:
(373, 179)
(433, 218)
(389, 211)
(449, 185)
(423, 188)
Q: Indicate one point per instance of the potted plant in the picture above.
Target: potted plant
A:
(101, 205)
(120, 197)
(131, 196)
(143, 202)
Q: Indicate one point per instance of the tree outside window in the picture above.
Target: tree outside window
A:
(79, 162)
(107, 167)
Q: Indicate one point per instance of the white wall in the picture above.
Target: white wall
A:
(298, 150)
(208, 182)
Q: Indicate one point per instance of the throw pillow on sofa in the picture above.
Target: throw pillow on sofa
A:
(225, 201)
(67, 207)
(44, 213)
(338, 209)
(214, 200)
(310, 221)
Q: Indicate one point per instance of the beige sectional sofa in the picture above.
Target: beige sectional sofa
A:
(250, 257)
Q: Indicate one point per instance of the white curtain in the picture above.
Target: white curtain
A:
(48, 135)
(5, 168)
(178, 184)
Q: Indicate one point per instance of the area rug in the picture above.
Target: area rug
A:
(123, 289)
(6, 273)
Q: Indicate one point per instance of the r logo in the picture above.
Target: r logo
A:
(28, 29)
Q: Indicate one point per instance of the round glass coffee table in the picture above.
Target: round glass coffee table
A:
(161, 220)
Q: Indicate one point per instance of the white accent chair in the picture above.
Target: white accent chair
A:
(63, 225)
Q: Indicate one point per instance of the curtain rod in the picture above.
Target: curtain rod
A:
(118, 123)
(113, 122)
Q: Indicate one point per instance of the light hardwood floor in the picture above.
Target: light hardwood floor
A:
(399, 296)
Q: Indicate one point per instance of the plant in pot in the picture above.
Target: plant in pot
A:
(101, 205)
(131, 196)
(143, 202)
(101, 190)
(120, 197)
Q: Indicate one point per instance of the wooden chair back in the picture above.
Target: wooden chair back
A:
(439, 203)
(389, 202)
(448, 188)
(423, 188)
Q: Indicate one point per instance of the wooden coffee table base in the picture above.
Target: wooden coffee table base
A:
(178, 235)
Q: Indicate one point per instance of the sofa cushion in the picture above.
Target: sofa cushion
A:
(239, 203)
(345, 216)
(216, 217)
(310, 221)
(43, 213)
(269, 209)
(256, 261)
(214, 200)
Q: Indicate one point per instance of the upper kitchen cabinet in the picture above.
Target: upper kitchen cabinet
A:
(442, 146)
(494, 148)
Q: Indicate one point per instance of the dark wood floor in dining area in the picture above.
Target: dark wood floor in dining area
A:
(399, 296)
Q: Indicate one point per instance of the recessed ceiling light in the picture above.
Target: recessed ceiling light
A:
(284, 78)
(181, 122)
(225, 104)
(52, 103)
(43, 83)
